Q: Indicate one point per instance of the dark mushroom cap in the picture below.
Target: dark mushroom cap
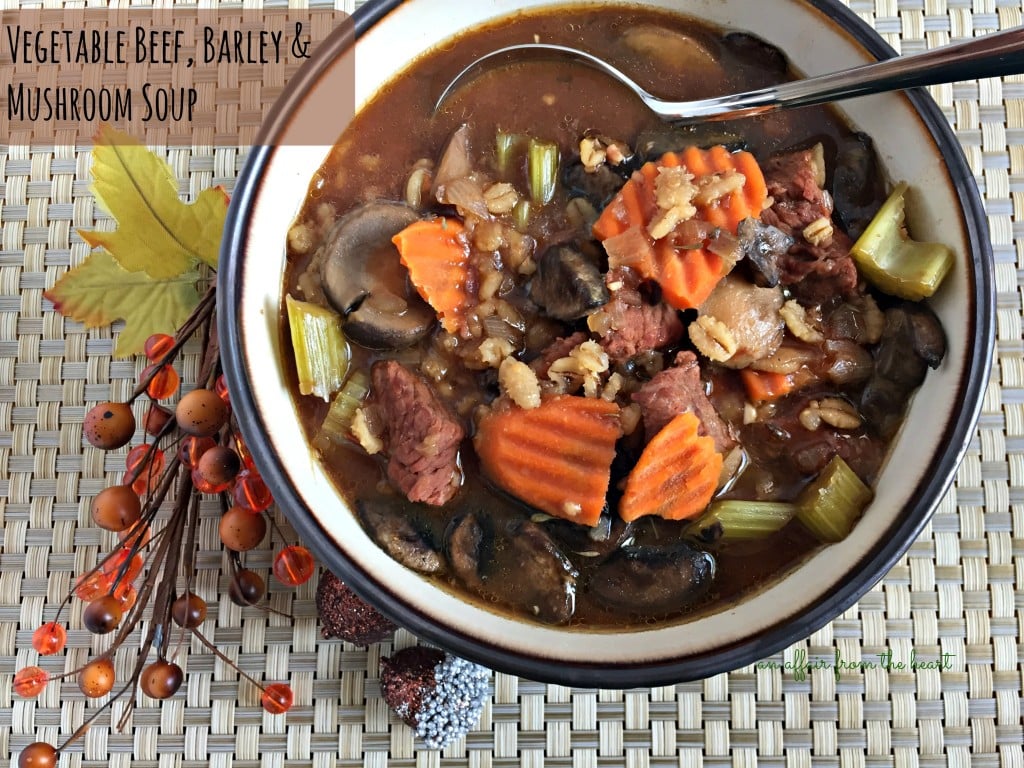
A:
(567, 285)
(364, 279)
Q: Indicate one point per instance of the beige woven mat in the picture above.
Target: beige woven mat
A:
(958, 591)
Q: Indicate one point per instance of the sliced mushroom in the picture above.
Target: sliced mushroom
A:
(913, 341)
(652, 144)
(466, 551)
(857, 184)
(673, 51)
(598, 186)
(456, 162)
(754, 50)
(364, 279)
(396, 535)
(567, 285)
(593, 543)
(545, 580)
(653, 580)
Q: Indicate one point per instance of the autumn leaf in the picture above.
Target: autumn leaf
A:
(99, 291)
(156, 232)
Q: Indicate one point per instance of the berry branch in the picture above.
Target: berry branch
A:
(208, 458)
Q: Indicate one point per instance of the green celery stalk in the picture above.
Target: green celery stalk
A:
(831, 505)
(895, 263)
(337, 424)
(507, 146)
(521, 214)
(736, 519)
(321, 352)
(542, 164)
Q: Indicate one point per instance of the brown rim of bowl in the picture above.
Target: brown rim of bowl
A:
(869, 570)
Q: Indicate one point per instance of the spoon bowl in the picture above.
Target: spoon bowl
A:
(993, 55)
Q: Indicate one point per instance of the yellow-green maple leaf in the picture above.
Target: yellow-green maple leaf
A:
(156, 232)
(98, 292)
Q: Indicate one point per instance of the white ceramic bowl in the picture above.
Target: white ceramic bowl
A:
(914, 143)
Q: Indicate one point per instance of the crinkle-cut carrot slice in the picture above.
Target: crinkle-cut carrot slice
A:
(436, 253)
(687, 276)
(556, 457)
(676, 475)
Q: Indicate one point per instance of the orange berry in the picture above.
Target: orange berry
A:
(277, 698)
(29, 682)
(161, 679)
(96, 678)
(49, 638)
(158, 345)
(251, 492)
(201, 413)
(116, 508)
(109, 425)
(241, 530)
(294, 566)
(193, 448)
(92, 585)
(102, 615)
(164, 381)
(38, 754)
(156, 419)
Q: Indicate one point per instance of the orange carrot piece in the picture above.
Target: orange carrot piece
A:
(755, 189)
(676, 476)
(436, 254)
(686, 276)
(765, 386)
(556, 457)
(686, 282)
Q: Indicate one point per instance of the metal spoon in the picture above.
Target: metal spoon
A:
(1001, 53)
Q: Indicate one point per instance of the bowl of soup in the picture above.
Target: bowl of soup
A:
(584, 396)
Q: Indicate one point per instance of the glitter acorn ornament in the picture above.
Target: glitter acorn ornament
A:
(438, 695)
(344, 615)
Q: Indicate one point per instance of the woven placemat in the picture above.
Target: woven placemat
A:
(958, 591)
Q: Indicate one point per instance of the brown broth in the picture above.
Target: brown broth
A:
(557, 101)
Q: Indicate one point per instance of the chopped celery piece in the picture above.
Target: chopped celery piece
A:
(521, 215)
(736, 519)
(892, 261)
(321, 353)
(830, 505)
(337, 425)
(508, 147)
(542, 164)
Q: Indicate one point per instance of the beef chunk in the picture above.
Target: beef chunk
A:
(813, 272)
(636, 321)
(420, 435)
(677, 390)
(556, 350)
(639, 328)
(785, 445)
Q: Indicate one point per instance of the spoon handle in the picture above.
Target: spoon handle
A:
(1000, 53)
